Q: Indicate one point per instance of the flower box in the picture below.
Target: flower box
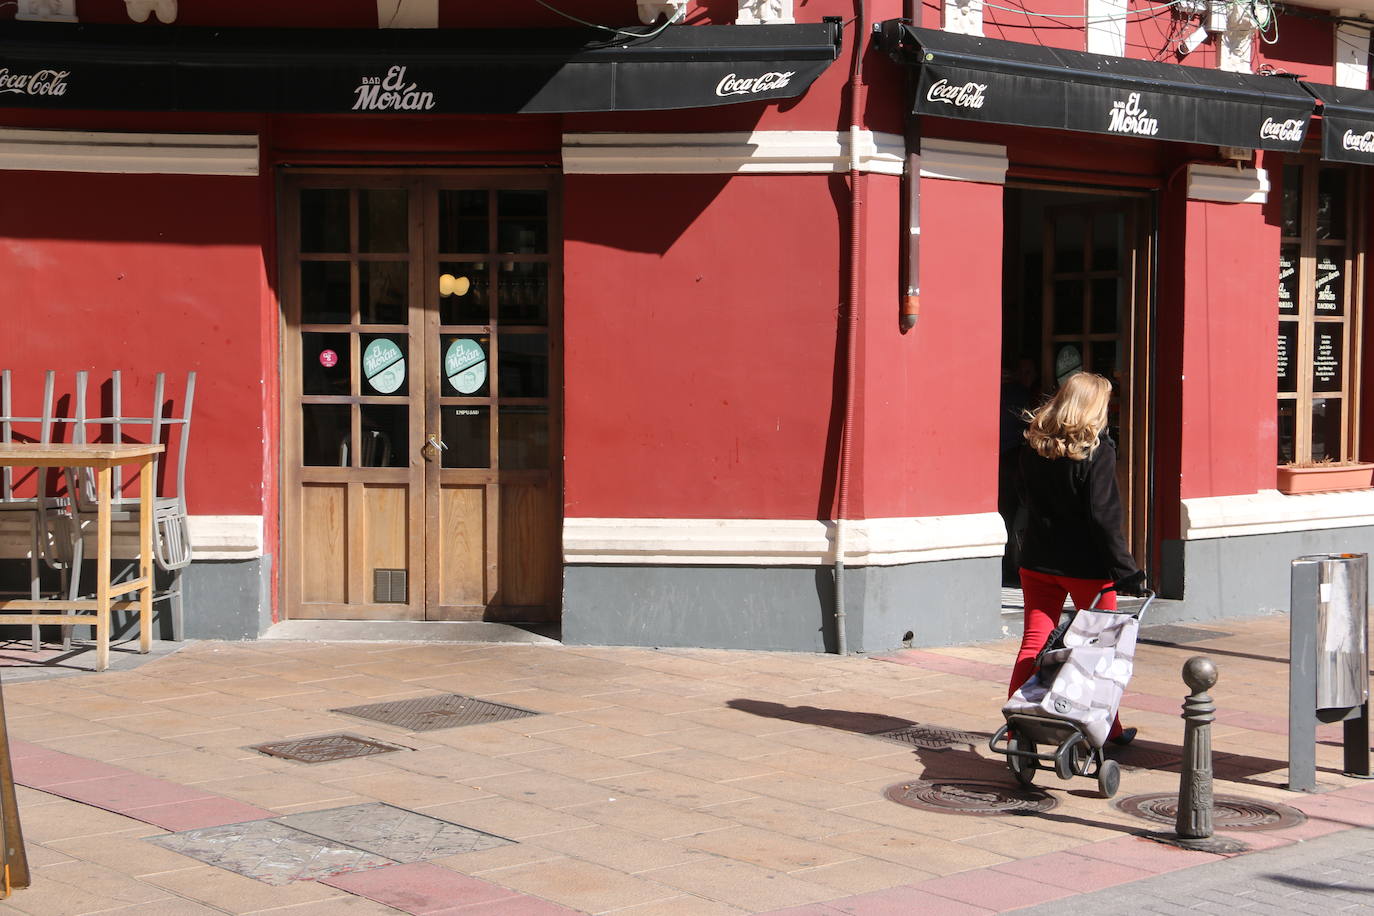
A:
(1323, 477)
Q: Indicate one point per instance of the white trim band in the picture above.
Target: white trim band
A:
(1272, 512)
(957, 160)
(1228, 185)
(780, 542)
(762, 151)
(128, 154)
(213, 537)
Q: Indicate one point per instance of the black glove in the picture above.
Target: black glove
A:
(1134, 584)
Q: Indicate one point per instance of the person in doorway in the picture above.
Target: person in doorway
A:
(1073, 543)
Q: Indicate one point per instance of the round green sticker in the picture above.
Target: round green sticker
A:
(384, 365)
(465, 364)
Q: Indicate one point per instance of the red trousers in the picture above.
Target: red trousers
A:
(1044, 597)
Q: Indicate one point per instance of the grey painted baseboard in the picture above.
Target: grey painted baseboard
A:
(222, 599)
(789, 608)
(1248, 575)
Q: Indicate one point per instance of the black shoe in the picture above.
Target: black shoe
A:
(1126, 737)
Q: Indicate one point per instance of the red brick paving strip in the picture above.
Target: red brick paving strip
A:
(422, 889)
(159, 802)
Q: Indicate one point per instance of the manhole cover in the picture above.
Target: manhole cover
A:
(966, 797)
(1173, 634)
(324, 748)
(933, 737)
(448, 710)
(1229, 812)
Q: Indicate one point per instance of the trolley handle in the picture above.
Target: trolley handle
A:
(1147, 594)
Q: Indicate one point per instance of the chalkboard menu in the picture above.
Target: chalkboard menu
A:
(1288, 345)
(1330, 290)
(1328, 356)
(1288, 279)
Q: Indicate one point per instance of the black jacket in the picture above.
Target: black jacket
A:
(1074, 507)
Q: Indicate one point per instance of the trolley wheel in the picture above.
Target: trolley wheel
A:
(1108, 778)
(1071, 758)
(1021, 767)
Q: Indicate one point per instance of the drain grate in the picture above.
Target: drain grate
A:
(967, 797)
(448, 710)
(933, 737)
(324, 748)
(1229, 812)
(1173, 634)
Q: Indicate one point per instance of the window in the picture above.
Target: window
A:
(1318, 292)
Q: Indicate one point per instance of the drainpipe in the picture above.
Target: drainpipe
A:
(856, 188)
(910, 307)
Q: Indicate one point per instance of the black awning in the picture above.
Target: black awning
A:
(434, 71)
(1347, 123)
(1007, 82)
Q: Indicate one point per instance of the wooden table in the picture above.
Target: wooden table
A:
(101, 458)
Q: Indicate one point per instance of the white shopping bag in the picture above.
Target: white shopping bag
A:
(1094, 668)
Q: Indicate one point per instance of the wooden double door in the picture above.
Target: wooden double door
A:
(421, 382)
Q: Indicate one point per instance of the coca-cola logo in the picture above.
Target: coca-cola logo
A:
(732, 84)
(40, 82)
(391, 93)
(1289, 130)
(1362, 143)
(969, 95)
(1127, 117)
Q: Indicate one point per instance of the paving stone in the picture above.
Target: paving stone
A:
(393, 833)
(270, 852)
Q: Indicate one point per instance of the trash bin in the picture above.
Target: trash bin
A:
(1342, 640)
(1328, 663)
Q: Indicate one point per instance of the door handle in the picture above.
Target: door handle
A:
(432, 447)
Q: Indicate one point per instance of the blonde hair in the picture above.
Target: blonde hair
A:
(1070, 424)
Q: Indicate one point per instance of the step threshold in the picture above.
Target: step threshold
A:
(457, 631)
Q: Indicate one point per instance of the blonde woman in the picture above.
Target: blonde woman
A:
(1073, 543)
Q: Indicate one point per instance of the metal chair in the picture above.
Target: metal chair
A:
(50, 526)
(171, 534)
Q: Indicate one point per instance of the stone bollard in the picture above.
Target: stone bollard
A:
(1195, 778)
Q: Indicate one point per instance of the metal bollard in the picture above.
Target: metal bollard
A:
(1194, 821)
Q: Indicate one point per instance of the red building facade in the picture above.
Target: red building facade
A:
(497, 317)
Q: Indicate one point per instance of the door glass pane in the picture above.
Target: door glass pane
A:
(382, 295)
(1331, 204)
(384, 433)
(1068, 307)
(1106, 309)
(1104, 354)
(1288, 357)
(463, 222)
(1069, 230)
(522, 222)
(1292, 200)
(464, 293)
(1289, 262)
(524, 437)
(466, 366)
(1328, 356)
(1326, 429)
(324, 219)
(523, 292)
(325, 433)
(1330, 297)
(1109, 239)
(324, 363)
(324, 292)
(1288, 430)
(383, 220)
(467, 433)
(384, 364)
(524, 365)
